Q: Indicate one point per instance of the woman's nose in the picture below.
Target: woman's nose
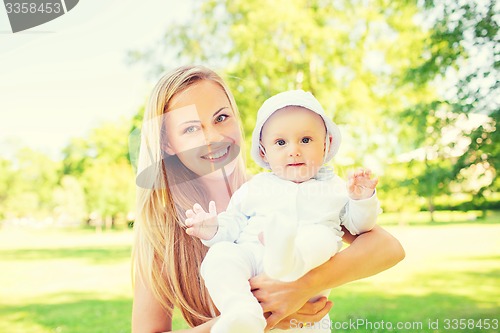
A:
(212, 135)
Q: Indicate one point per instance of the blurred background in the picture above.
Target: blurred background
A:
(413, 85)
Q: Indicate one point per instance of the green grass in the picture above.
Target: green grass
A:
(65, 281)
(88, 254)
(68, 312)
(79, 281)
(440, 218)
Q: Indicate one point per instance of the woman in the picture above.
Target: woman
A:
(190, 153)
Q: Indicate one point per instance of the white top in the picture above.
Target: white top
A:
(311, 202)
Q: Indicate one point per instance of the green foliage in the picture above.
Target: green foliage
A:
(480, 162)
(109, 188)
(393, 196)
(460, 32)
(101, 165)
(26, 184)
(75, 157)
(69, 200)
(349, 54)
(399, 77)
(6, 185)
(94, 178)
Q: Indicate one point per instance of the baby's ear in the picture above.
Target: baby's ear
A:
(328, 143)
(262, 152)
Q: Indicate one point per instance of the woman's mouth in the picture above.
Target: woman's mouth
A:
(217, 155)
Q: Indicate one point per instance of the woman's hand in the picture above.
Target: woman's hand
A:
(309, 313)
(370, 253)
(283, 302)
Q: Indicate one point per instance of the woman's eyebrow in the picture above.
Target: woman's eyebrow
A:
(189, 122)
(220, 110)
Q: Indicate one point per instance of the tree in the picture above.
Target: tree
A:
(396, 75)
(110, 190)
(69, 200)
(76, 157)
(8, 186)
(26, 184)
(100, 164)
(476, 169)
(347, 53)
(109, 179)
(460, 32)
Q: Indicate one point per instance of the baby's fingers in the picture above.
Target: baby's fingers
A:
(198, 209)
(364, 173)
(369, 183)
(189, 222)
(190, 213)
(359, 172)
(190, 231)
(350, 184)
(211, 208)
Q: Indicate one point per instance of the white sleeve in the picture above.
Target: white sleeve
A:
(360, 216)
(232, 221)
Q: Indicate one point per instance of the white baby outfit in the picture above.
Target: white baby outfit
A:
(313, 211)
(301, 224)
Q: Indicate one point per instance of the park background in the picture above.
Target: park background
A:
(413, 86)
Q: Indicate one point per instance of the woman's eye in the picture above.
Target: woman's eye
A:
(221, 118)
(306, 140)
(280, 142)
(191, 129)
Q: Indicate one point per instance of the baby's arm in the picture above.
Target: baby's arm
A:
(363, 206)
(201, 224)
(211, 227)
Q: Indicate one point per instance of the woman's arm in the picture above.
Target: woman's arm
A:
(148, 316)
(369, 253)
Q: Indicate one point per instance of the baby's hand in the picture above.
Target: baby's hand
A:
(200, 223)
(360, 185)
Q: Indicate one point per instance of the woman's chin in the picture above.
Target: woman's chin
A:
(217, 174)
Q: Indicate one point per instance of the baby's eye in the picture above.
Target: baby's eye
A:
(305, 140)
(220, 118)
(280, 142)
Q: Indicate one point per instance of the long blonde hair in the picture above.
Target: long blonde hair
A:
(164, 257)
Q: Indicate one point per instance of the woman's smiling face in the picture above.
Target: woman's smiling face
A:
(201, 129)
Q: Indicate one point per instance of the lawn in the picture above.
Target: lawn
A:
(79, 281)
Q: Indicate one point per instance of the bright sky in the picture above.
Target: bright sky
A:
(62, 78)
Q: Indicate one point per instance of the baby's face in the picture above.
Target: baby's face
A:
(294, 142)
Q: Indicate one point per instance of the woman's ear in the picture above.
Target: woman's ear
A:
(167, 148)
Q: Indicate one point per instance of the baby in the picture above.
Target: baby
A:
(284, 222)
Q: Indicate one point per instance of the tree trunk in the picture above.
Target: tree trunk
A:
(430, 201)
(108, 222)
